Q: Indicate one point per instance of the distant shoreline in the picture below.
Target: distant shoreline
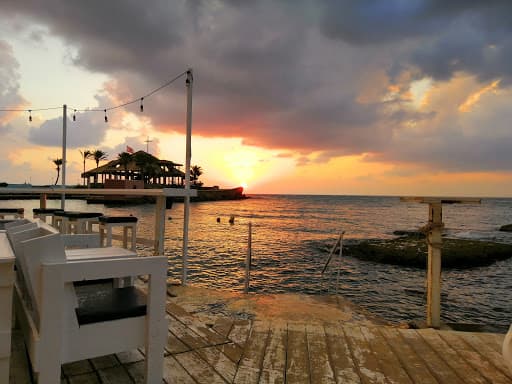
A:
(209, 194)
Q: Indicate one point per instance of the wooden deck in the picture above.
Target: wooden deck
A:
(225, 350)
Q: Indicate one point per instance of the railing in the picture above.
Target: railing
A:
(159, 194)
(339, 243)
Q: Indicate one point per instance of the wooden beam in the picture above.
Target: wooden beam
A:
(442, 200)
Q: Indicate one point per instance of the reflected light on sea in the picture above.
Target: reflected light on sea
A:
(292, 237)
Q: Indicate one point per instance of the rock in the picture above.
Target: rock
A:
(506, 228)
(412, 252)
(410, 233)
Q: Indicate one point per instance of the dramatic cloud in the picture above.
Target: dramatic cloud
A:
(9, 87)
(88, 129)
(307, 76)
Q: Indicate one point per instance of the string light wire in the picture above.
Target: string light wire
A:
(139, 99)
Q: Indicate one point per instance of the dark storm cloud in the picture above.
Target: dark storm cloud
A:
(449, 36)
(287, 74)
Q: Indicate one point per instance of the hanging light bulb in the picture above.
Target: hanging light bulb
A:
(106, 118)
(74, 115)
(29, 115)
(141, 105)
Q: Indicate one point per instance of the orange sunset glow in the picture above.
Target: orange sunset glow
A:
(344, 106)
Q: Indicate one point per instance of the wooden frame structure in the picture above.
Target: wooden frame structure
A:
(435, 241)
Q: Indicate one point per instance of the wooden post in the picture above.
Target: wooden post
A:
(159, 225)
(42, 200)
(434, 240)
(248, 259)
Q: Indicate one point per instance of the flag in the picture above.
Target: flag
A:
(129, 149)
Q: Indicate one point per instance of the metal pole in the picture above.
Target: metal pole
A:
(186, 209)
(248, 259)
(64, 134)
(339, 262)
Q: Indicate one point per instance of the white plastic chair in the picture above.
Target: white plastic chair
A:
(58, 330)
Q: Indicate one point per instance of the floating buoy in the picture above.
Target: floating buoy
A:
(218, 219)
(169, 218)
(232, 219)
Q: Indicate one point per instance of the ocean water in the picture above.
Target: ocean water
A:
(291, 239)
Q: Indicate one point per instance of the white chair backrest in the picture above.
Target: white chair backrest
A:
(36, 251)
(14, 223)
(47, 226)
(16, 237)
(19, 228)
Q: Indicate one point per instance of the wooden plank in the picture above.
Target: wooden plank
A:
(340, 357)
(464, 370)
(438, 367)
(274, 362)
(368, 366)
(494, 340)
(179, 314)
(479, 362)
(232, 351)
(250, 365)
(297, 359)
(409, 360)
(87, 378)
(387, 360)
(199, 369)
(115, 375)
(77, 368)
(441, 200)
(320, 368)
(223, 326)
(484, 348)
(238, 335)
(219, 361)
(240, 332)
(128, 357)
(175, 345)
(174, 373)
(103, 362)
(186, 336)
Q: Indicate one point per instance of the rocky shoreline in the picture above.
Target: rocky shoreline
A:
(410, 249)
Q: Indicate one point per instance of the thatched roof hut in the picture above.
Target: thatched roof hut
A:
(135, 170)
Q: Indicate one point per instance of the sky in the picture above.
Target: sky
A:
(367, 97)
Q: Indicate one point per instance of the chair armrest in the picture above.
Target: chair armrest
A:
(99, 253)
(108, 268)
(82, 240)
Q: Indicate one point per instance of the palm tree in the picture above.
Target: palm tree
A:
(58, 163)
(195, 172)
(98, 155)
(86, 154)
(125, 158)
(148, 165)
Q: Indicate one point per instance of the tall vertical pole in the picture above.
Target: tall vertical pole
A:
(434, 240)
(186, 208)
(248, 259)
(64, 134)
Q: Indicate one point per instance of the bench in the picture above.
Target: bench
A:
(16, 213)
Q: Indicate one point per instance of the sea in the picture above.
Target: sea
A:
(292, 236)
